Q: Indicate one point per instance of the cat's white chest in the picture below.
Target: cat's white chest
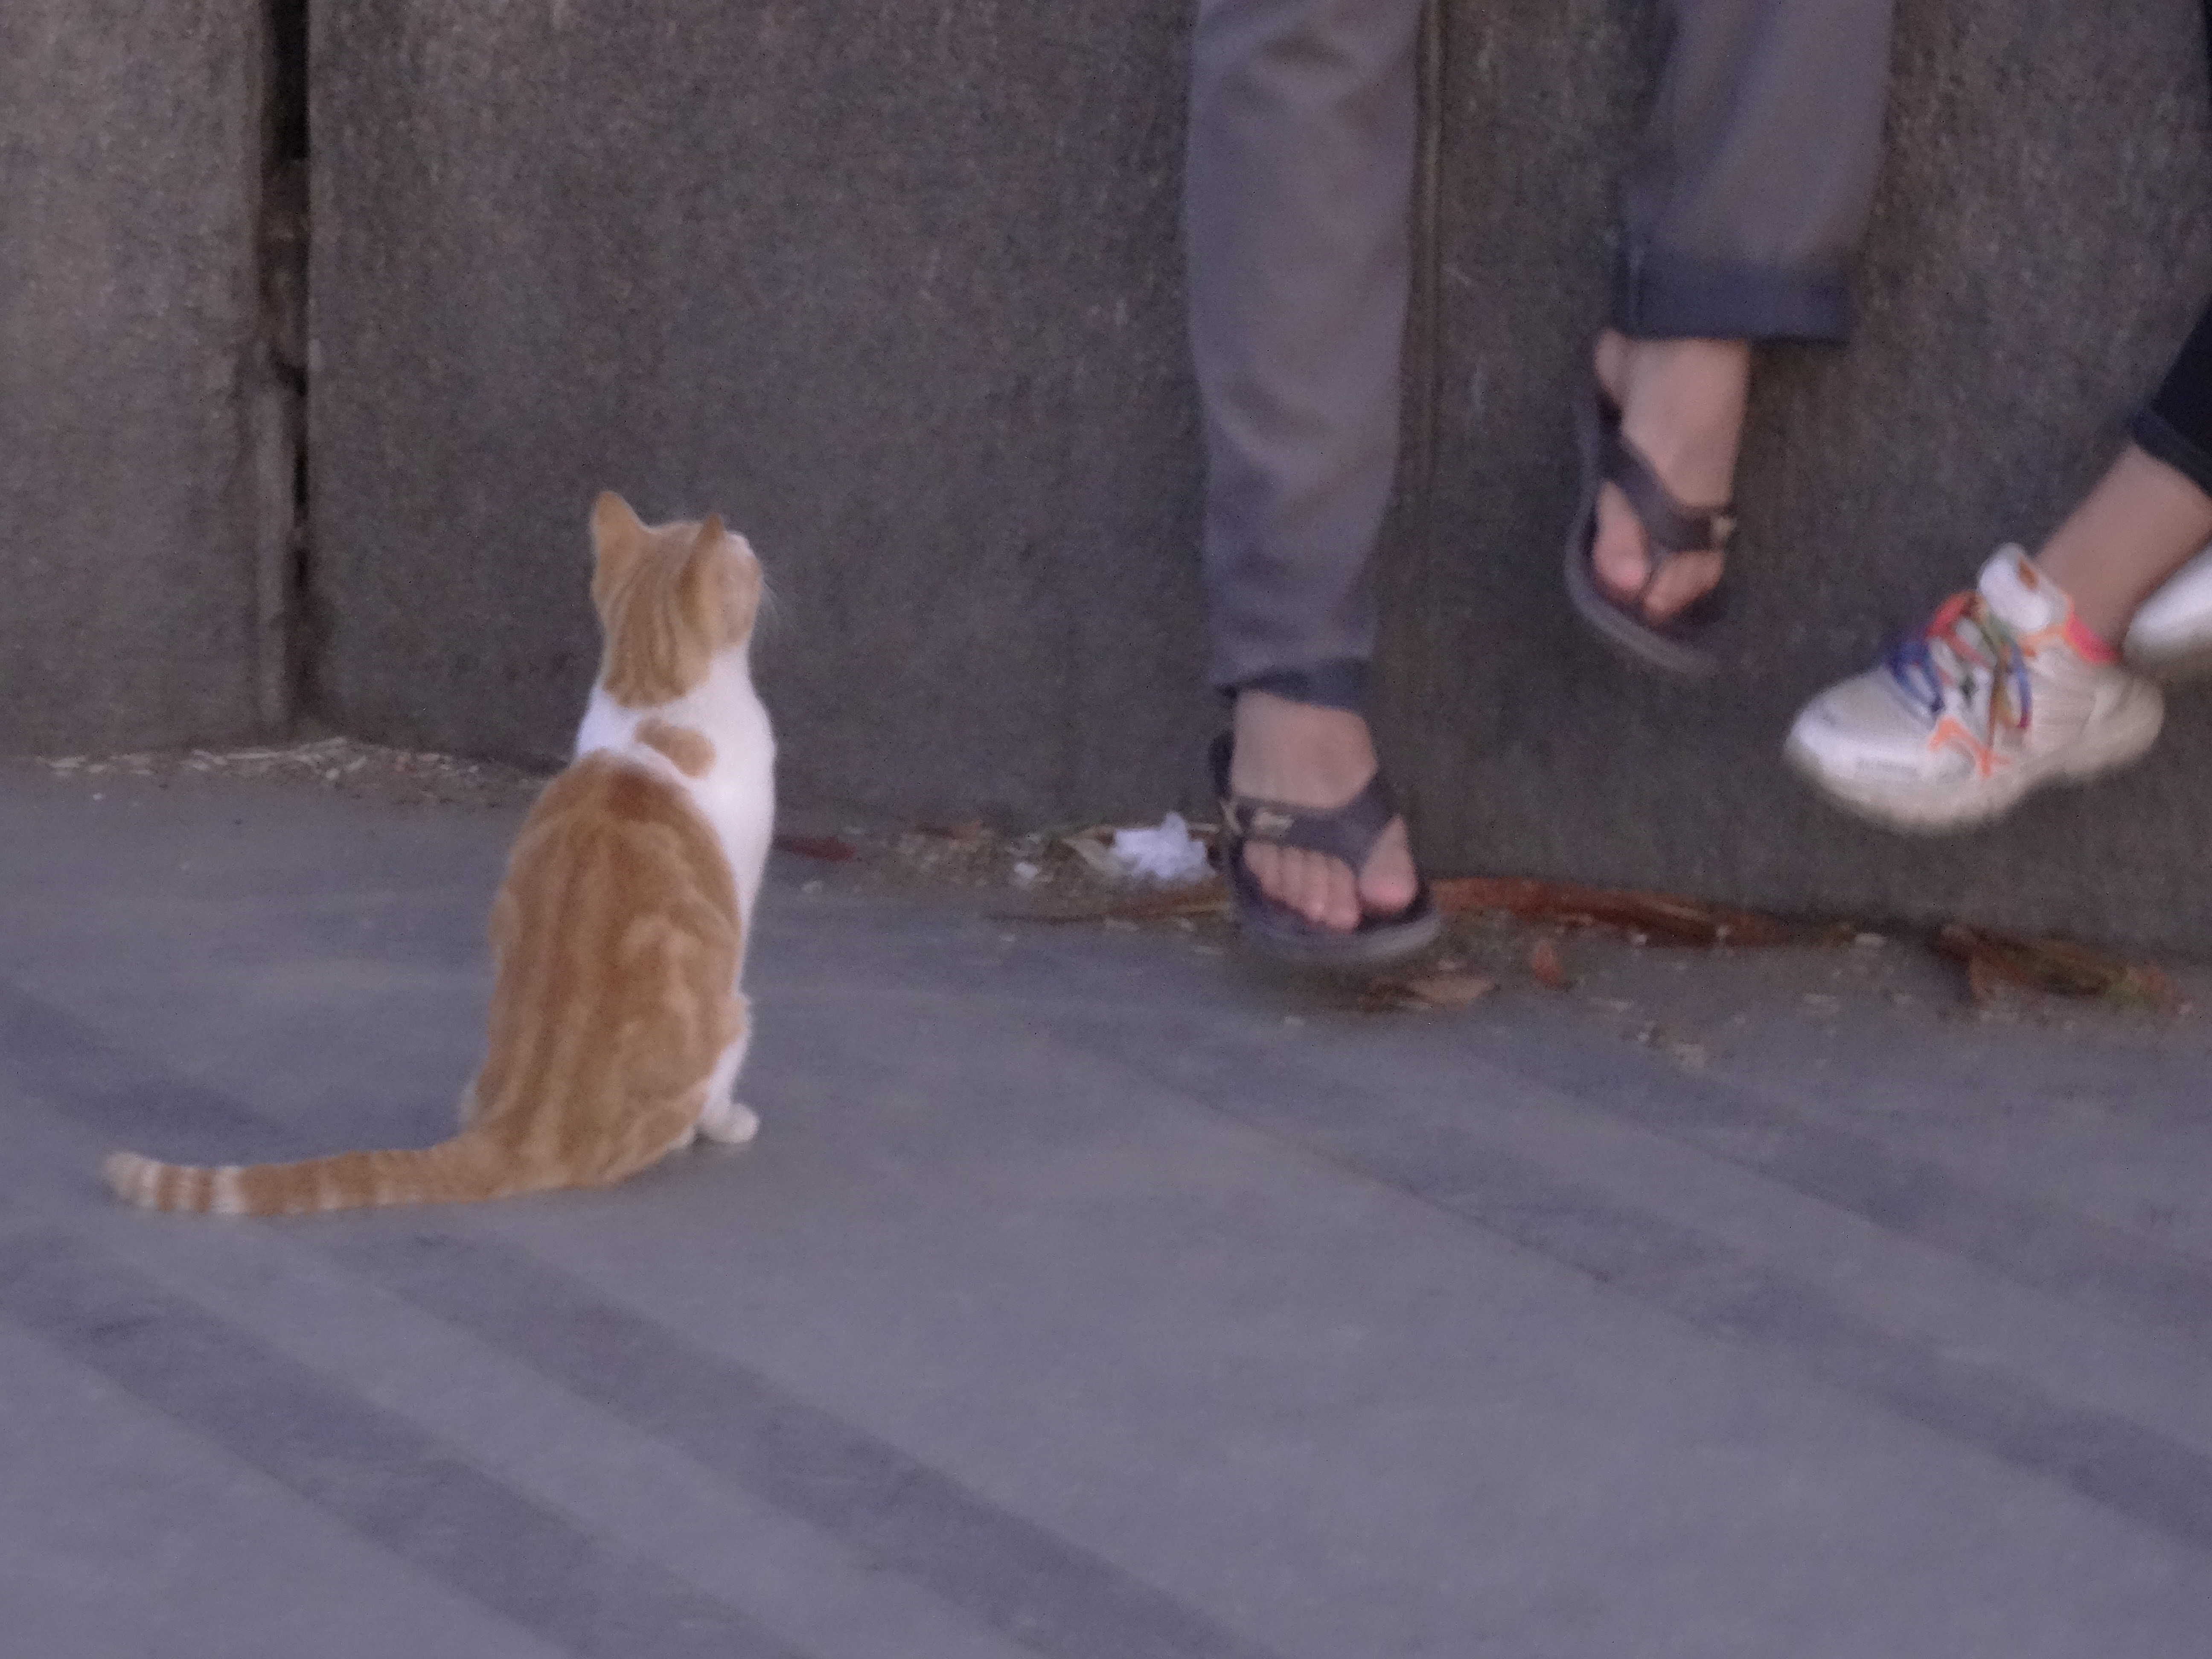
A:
(736, 793)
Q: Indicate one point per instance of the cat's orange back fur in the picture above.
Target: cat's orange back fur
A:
(616, 936)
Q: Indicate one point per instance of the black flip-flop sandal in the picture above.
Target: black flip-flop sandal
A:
(1348, 834)
(1683, 644)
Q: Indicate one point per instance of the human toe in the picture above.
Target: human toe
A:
(1321, 887)
(1687, 578)
(1390, 882)
(1618, 555)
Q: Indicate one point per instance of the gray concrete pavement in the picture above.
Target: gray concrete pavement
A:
(1086, 1295)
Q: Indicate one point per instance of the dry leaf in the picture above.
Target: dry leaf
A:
(2056, 965)
(1424, 992)
(1206, 898)
(1661, 916)
(1449, 990)
(1097, 857)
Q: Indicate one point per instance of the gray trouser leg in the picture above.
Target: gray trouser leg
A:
(1746, 195)
(1756, 171)
(1298, 215)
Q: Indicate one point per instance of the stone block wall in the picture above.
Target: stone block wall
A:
(145, 469)
(894, 287)
(898, 289)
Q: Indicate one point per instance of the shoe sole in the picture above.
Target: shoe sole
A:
(2129, 732)
(1377, 947)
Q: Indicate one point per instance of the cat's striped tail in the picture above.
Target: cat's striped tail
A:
(470, 1166)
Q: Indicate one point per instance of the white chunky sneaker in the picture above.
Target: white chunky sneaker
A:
(2172, 634)
(2004, 692)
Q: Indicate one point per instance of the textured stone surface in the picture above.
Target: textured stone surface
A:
(896, 288)
(130, 179)
(1074, 1303)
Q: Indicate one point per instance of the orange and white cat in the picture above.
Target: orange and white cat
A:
(617, 1024)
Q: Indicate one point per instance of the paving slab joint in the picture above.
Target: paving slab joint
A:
(278, 407)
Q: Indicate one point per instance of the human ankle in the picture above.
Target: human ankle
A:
(2096, 616)
(1609, 361)
(1683, 407)
(2140, 522)
(1301, 748)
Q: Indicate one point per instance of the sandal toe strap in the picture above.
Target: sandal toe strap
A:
(1346, 833)
(1670, 527)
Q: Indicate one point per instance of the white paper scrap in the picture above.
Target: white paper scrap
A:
(1166, 853)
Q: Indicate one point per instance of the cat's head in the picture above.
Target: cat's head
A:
(672, 598)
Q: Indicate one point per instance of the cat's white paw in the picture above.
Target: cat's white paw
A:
(729, 1121)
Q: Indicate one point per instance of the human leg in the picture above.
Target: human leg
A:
(1747, 196)
(2017, 683)
(2140, 523)
(1298, 226)
(2170, 632)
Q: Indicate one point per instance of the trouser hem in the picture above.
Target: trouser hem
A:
(1659, 296)
(1340, 684)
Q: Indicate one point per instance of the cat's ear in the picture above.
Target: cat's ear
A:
(618, 540)
(702, 583)
(616, 531)
(721, 591)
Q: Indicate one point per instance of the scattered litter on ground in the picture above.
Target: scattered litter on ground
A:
(1427, 991)
(1097, 857)
(403, 776)
(1208, 898)
(2057, 966)
(1167, 852)
(1123, 877)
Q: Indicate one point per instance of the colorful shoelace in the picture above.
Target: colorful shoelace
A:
(1966, 637)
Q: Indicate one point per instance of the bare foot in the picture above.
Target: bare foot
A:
(1303, 756)
(1682, 404)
